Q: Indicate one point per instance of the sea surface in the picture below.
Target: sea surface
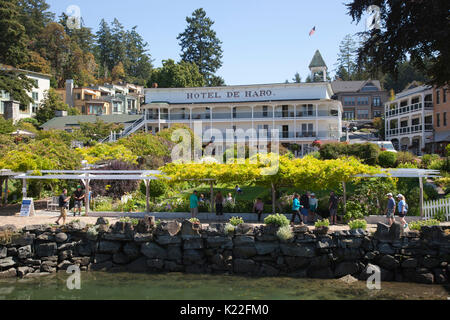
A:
(177, 286)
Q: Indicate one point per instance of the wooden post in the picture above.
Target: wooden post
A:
(273, 199)
(212, 195)
(147, 195)
(421, 196)
(24, 188)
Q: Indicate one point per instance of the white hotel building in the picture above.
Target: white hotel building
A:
(301, 112)
(409, 119)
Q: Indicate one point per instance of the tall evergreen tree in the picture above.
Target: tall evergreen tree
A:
(345, 66)
(200, 45)
(138, 63)
(297, 78)
(34, 16)
(118, 36)
(104, 50)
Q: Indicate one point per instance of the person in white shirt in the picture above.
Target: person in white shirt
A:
(313, 204)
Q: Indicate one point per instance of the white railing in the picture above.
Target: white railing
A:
(431, 208)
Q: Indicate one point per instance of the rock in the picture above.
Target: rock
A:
(103, 228)
(321, 261)
(325, 243)
(348, 279)
(192, 256)
(172, 266)
(46, 237)
(3, 252)
(76, 225)
(120, 258)
(244, 252)
(22, 271)
(103, 266)
(383, 232)
(174, 253)
(32, 262)
(37, 274)
(64, 265)
(321, 230)
(298, 250)
(23, 239)
(410, 263)
(99, 258)
(7, 262)
(244, 229)
(152, 250)
(138, 265)
(440, 276)
(430, 263)
(145, 225)
(82, 261)
(389, 262)
(12, 252)
(369, 270)
(131, 250)
(426, 278)
(109, 246)
(346, 268)
(24, 252)
(102, 221)
(84, 249)
(117, 236)
(35, 228)
(61, 237)
(244, 266)
(10, 273)
(219, 242)
(370, 255)
(196, 243)
(187, 229)
(385, 248)
(195, 269)
(297, 262)
(170, 228)
(143, 237)
(155, 263)
(46, 249)
(244, 241)
(301, 229)
(263, 248)
(268, 271)
(65, 255)
(299, 273)
(168, 239)
(324, 273)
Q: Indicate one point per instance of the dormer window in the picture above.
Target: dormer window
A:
(369, 87)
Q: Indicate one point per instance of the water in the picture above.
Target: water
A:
(126, 286)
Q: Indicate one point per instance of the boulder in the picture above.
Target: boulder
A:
(244, 229)
(145, 225)
(117, 236)
(385, 248)
(297, 262)
(410, 263)
(131, 250)
(23, 239)
(155, 264)
(321, 261)
(168, 239)
(102, 221)
(219, 242)
(385, 233)
(187, 230)
(84, 248)
(389, 262)
(46, 249)
(47, 268)
(61, 237)
(12, 252)
(65, 255)
(109, 246)
(244, 252)
(24, 252)
(263, 248)
(3, 252)
(120, 258)
(22, 271)
(138, 265)
(143, 237)
(99, 257)
(103, 266)
(7, 262)
(64, 265)
(430, 262)
(192, 256)
(424, 277)
(174, 253)
(172, 266)
(346, 268)
(244, 266)
(10, 273)
(244, 241)
(169, 228)
(82, 261)
(268, 271)
(152, 250)
(439, 276)
(196, 243)
(348, 279)
(298, 250)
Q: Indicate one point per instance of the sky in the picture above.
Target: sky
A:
(263, 41)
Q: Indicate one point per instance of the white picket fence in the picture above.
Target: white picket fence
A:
(430, 208)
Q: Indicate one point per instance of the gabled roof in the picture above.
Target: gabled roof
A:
(352, 86)
(5, 67)
(317, 61)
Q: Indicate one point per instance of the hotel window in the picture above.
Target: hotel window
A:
(377, 114)
(363, 114)
(35, 96)
(349, 115)
(438, 96)
(78, 96)
(369, 87)
(376, 101)
(444, 119)
(265, 112)
(34, 107)
(207, 114)
(307, 129)
(363, 101)
(438, 120)
(349, 101)
(444, 95)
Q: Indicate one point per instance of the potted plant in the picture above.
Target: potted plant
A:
(322, 226)
(195, 223)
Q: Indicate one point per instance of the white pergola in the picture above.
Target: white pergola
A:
(86, 176)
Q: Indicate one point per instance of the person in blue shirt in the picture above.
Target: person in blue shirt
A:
(390, 209)
(193, 201)
(296, 209)
(402, 209)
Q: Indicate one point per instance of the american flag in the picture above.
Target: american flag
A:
(312, 31)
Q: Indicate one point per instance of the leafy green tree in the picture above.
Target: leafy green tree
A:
(415, 29)
(98, 130)
(200, 45)
(13, 40)
(297, 78)
(34, 16)
(50, 105)
(6, 126)
(177, 75)
(17, 84)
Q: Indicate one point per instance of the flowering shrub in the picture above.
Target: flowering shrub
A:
(285, 233)
(235, 221)
(358, 224)
(277, 219)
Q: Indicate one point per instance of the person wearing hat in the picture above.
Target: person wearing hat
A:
(402, 210)
(390, 209)
(313, 203)
(79, 197)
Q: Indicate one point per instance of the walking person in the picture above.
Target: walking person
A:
(390, 209)
(193, 201)
(402, 210)
(230, 198)
(296, 206)
(304, 202)
(219, 203)
(63, 206)
(313, 204)
(258, 208)
(79, 196)
(332, 207)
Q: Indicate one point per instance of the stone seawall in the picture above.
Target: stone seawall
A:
(413, 256)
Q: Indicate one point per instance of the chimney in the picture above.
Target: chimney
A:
(69, 93)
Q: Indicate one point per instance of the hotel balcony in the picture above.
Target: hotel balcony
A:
(428, 106)
(409, 130)
(282, 136)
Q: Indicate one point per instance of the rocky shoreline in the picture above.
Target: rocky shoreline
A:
(177, 246)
